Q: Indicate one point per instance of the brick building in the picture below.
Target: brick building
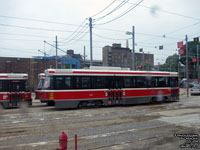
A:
(34, 66)
(118, 56)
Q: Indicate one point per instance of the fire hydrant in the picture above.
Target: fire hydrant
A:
(63, 141)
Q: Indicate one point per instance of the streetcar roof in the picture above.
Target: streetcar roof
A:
(13, 76)
(50, 72)
(41, 76)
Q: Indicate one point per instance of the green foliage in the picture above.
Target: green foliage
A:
(171, 64)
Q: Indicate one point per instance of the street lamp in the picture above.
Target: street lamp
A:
(133, 46)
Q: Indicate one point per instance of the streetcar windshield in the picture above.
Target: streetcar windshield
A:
(40, 84)
(14, 86)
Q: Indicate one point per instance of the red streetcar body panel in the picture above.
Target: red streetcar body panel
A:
(4, 96)
(37, 94)
(70, 98)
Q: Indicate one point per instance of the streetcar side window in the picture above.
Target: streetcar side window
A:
(86, 82)
(59, 83)
(140, 82)
(78, 82)
(1, 86)
(153, 82)
(128, 82)
(67, 83)
(98, 82)
(162, 82)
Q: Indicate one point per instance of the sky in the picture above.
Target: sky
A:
(26, 24)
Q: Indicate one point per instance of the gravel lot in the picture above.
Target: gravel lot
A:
(119, 128)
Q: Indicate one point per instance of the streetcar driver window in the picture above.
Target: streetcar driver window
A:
(59, 83)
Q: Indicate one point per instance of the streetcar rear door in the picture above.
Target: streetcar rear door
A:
(115, 91)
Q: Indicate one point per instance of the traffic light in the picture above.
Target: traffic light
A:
(141, 49)
(160, 47)
(196, 40)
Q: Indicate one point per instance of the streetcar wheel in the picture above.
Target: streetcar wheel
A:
(50, 103)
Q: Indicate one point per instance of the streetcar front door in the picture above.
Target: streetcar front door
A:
(15, 88)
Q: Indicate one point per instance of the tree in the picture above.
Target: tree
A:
(171, 64)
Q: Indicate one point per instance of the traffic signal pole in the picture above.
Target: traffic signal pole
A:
(187, 69)
(198, 72)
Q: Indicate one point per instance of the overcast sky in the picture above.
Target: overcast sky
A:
(25, 24)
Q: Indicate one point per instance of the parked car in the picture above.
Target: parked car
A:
(191, 84)
(183, 82)
(194, 83)
(195, 90)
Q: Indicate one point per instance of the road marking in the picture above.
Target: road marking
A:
(18, 121)
(179, 112)
(87, 115)
(107, 134)
(12, 117)
(181, 119)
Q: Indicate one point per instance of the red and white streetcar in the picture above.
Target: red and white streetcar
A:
(75, 88)
(14, 89)
(41, 78)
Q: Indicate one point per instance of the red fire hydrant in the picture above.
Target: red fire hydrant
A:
(63, 141)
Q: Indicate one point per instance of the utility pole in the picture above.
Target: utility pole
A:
(178, 64)
(187, 69)
(143, 61)
(90, 25)
(84, 56)
(133, 48)
(56, 53)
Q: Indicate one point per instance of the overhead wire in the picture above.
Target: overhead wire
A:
(83, 30)
(124, 13)
(26, 35)
(83, 35)
(36, 20)
(20, 40)
(24, 27)
(165, 11)
(76, 31)
(17, 50)
(104, 8)
(115, 9)
(104, 37)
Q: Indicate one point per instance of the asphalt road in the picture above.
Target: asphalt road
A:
(135, 127)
